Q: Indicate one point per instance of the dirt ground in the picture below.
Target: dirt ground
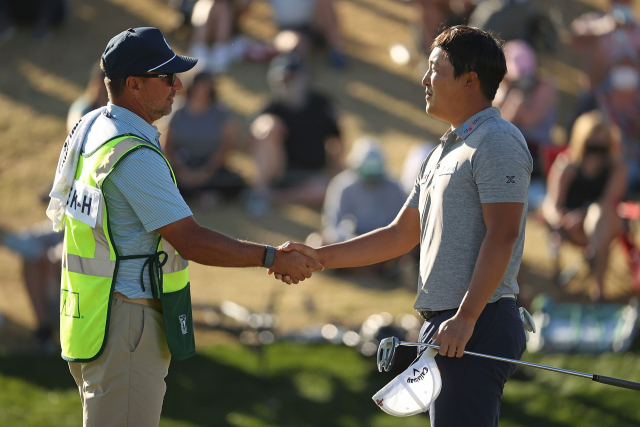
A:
(375, 96)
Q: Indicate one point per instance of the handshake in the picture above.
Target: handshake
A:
(295, 262)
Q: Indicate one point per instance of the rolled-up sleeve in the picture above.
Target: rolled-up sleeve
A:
(144, 178)
(502, 169)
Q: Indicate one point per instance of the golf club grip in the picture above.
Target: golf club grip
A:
(617, 382)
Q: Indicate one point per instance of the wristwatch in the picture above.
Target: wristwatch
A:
(269, 256)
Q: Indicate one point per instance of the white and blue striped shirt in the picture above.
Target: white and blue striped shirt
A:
(140, 194)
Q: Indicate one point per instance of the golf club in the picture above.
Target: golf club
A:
(387, 352)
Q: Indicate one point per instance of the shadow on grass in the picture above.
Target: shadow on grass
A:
(323, 385)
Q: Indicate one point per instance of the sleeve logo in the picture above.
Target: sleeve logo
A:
(511, 179)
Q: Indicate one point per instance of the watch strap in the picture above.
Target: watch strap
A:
(269, 256)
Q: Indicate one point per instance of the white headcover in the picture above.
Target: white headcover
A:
(413, 391)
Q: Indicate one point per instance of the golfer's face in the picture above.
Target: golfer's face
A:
(442, 91)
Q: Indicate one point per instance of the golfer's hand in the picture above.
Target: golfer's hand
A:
(299, 247)
(294, 266)
(453, 335)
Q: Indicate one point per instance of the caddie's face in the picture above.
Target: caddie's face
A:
(157, 95)
(443, 92)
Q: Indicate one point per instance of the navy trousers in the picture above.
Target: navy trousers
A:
(472, 386)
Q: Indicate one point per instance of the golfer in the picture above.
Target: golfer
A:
(125, 299)
(468, 212)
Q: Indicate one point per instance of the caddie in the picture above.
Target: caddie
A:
(468, 212)
(125, 297)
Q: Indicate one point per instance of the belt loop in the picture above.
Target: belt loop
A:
(119, 298)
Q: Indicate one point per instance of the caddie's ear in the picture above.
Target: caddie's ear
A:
(134, 83)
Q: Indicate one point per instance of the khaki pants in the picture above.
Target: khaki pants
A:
(125, 385)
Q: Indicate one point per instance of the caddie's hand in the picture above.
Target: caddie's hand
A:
(453, 335)
(294, 265)
(299, 247)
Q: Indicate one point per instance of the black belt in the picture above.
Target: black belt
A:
(428, 314)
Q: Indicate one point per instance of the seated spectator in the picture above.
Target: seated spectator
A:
(360, 199)
(438, 14)
(602, 39)
(185, 7)
(315, 20)
(526, 99)
(295, 140)
(515, 20)
(584, 188)
(94, 96)
(43, 14)
(41, 251)
(618, 97)
(199, 138)
(215, 23)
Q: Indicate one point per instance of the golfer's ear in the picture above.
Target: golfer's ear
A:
(471, 79)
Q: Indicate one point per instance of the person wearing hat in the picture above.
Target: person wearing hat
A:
(360, 199)
(295, 140)
(125, 295)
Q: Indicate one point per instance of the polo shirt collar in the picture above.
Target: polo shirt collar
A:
(139, 126)
(468, 127)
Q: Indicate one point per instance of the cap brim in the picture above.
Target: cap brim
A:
(179, 64)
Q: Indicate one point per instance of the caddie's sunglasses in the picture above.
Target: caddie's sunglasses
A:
(170, 76)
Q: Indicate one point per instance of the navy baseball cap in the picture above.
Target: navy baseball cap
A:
(141, 50)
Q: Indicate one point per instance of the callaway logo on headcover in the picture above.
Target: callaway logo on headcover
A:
(419, 377)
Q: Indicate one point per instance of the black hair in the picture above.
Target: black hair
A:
(203, 77)
(471, 49)
(115, 87)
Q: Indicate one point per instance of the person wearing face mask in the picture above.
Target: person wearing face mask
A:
(526, 100)
(601, 39)
(359, 200)
(295, 140)
(585, 185)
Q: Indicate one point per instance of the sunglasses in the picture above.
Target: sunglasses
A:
(170, 76)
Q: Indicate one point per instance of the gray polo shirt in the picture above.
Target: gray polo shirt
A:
(485, 160)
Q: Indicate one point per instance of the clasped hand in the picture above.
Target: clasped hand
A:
(294, 262)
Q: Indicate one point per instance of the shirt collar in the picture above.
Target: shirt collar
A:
(137, 123)
(472, 123)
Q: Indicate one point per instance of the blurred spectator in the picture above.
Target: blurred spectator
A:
(95, 96)
(360, 199)
(199, 138)
(7, 29)
(412, 163)
(316, 21)
(585, 185)
(515, 20)
(44, 14)
(41, 251)
(619, 99)
(185, 7)
(603, 39)
(295, 140)
(526, 99)
(215, 23)
(438, 14)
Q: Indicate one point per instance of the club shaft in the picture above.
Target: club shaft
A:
(504, 359)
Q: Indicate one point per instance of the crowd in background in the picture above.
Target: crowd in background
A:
(295, 139)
